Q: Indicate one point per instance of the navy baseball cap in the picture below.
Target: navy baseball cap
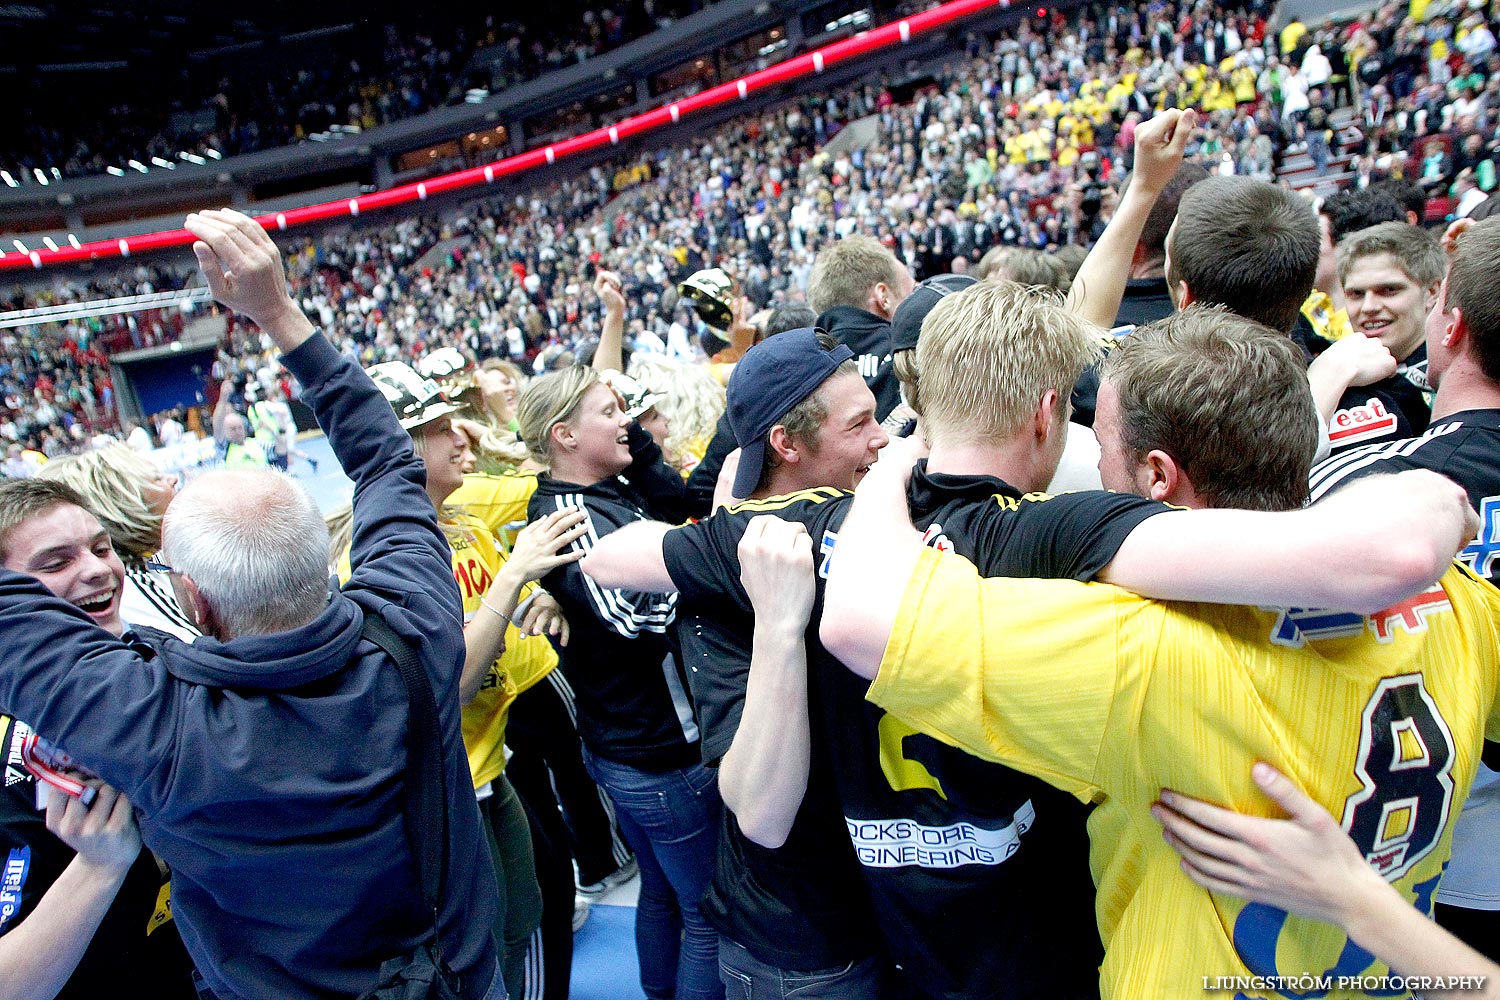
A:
(906, 324)
(774, 376)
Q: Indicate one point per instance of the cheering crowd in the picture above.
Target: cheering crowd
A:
(931, 612)
(1023, 142)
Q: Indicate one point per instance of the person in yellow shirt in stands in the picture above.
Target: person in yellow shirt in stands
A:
(1379, 717)
(505, 650)
(1219, 94)
(1243, 78)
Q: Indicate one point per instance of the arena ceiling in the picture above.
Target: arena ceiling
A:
(57, 36)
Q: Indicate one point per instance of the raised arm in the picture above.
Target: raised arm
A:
(1100, 284)
(398, 548)
(1282, 559)
(243, 270)
(1306, 864)
(610, 354)
(763, 775)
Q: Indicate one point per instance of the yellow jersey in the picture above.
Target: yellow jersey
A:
(497, 501)
(1113, 697)
(477, 556)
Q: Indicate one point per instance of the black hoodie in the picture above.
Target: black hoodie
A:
(621, 657)
(869, 337)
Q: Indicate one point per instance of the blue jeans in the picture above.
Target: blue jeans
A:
(671, 821)
(748, 978)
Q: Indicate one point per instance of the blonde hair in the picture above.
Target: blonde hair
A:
(844, 273)
(693, 401)
(340, 522)
(988, 354)
(1026, 266)
(114, 480)
(499, 448)
(549, 401)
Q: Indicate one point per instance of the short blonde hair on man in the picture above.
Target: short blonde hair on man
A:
(989, 353)
(549, 401)
(844, 273)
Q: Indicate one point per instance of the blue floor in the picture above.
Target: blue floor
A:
(328, 486)
(604, 962)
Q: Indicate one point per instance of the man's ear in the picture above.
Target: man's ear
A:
(1184, 295)
(787, 448)
(1165, 479)
(197, 607)
(1046, 417)
(1456, 330)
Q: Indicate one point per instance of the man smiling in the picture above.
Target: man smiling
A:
(93, 926)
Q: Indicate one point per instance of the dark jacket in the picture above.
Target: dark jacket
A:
(267, 771)
(869, 337)
(621, 657)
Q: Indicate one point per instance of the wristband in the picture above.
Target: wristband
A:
(494, 610)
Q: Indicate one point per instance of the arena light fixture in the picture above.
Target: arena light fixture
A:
(74, 241)
(157, 161)
(50, 245)
(9, 180)
(114, 171)
(213, 154)
(56, 174)
(41, 177)
(20, 246)
(191, 157)
(137, 165)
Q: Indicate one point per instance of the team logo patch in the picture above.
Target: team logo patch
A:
(935, 537)
(1361, 423)
(1484, 551)
(1295, 627)
(1411, 614)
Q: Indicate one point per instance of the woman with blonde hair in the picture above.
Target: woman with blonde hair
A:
(491, 403)
(486, 398)
(635, 715)
(129, 495)
(692, 400)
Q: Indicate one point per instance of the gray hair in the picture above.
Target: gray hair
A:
(256, 546)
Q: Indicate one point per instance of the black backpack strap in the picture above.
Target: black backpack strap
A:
(424, 799)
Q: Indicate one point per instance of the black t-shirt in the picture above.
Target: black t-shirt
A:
(976, 872)
(1146, 300)
(1389, 410)
(136, 945)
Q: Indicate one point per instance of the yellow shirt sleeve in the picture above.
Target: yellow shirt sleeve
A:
(973, 662)
(497, 502)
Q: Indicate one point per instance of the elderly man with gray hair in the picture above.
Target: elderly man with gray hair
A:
(268, 761)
